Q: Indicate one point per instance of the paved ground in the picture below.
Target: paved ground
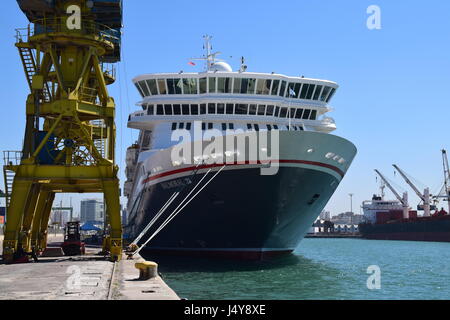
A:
(89, 277)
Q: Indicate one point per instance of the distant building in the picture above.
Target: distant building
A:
(2, 215)
(325, 215)
(124, 217)
(92, 210)
(60, 217)
(347, 218)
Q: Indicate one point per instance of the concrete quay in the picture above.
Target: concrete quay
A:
(87, 277)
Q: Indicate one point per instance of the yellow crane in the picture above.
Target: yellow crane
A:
(68, 53)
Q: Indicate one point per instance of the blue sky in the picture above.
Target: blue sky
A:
(392, 102)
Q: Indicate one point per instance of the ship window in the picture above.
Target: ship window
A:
(146, 139)
(310, 91)
(211, 108)
(290, 92)
(174, 126)
(174, 86)
(263, 86)
(188, 126)
(150, 109)
(269, 127)
(231, 126)
(317, 93)
(301, 128)
(269, 111)
(252, 109)
(224, 85)
(277, 111)
(202, 85)
(190, 86)
(325, 93)
(167, 109)
(249, 126)
(220, 108)
(181, 126)
(283, 112)
(297, 89)
(224, 126)
(241, 108)
(144, 88)
(299, 113)
(210, 126)
(261, 110)
(230, 108)
(160, 109)
(256, 127)
(203, 108)
(139, 89)
(203, 126)
(304, 91)
(282, 88)
(185, 109)
(275, 127)
(313, 115)
(306, 114)
(237, 85)
(176, 109)
(331, 94)
(151, 83)
(194, 109)
(212, 85)
(162, 86)
(291, 113)
(275, 86)
(248, 86)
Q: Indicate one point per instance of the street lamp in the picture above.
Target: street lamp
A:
(351, 210)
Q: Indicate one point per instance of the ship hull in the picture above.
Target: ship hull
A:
(241, 214)
(435, 229)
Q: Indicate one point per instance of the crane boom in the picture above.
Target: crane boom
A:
(390, 187)
(408, 181)
(446, 176)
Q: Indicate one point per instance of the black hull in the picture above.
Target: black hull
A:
(425, 229)
(241, 214)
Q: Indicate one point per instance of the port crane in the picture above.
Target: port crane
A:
(403, 200)
(425, 197)
(68, 52)
(445, 191)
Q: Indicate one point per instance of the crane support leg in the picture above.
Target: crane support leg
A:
(43, 225)
(38, 219)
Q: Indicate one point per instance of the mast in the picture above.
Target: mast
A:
(446, 176)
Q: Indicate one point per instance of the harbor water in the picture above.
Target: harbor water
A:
(320, 269)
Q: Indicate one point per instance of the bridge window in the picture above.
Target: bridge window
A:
(269, 127)
(185, 109)
(181, 126)
(224, 126)
(151, 83)
(283, 112)
(194, 109)
(277, 111)
(162, 86)
(212, 85)
(298, 114)
(313, 115)
(304, 91)
(306, 114)
(310, 91)
(252, 110)
(261, 110)
(325, 93)
(211, 108)
(317, 92)
(263, 86)
(190, 86)
(160, 109)
(188, 126)
(241, 108)
(202, 85)
(269, 111)
(224, 85)
(220, 108)
(203, 108)
(168, 109)
(174, 86)
(176, 109)
(256, 127)
(331, 94)
(248, 86)
(230, 108)
(139, 89)
(282, 88)
(174, 126)
(144, 88)
(275, 86)
(210, 126)
(150, 109)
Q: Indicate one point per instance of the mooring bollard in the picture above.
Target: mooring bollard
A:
(147, 269)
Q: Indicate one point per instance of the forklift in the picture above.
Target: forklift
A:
(72, 245)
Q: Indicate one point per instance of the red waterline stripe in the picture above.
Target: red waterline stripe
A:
(215, 165)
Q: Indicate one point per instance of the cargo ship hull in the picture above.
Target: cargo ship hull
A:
(422, 229)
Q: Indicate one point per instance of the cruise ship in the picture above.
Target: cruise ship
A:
(231, 164)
